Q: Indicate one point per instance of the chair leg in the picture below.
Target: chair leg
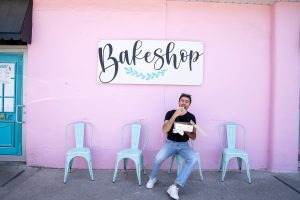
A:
(90, 169)
(179, 164)
(125, 161)
(221, 163)
(224, 168)
(66, 171)
(138, 171)
(116, 170)
(248, 170)
(143, 167)
(199, 166)
(71, 164)
(240, 161)
(171, 164)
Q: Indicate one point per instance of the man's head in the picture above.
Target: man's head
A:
(185, 100)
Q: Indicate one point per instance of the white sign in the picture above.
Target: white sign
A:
(7, 71)
(150, 62)
(7, 79)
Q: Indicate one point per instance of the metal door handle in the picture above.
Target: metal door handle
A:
(17, 114)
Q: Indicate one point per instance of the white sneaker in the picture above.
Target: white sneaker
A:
(173, 192)
(151, 183)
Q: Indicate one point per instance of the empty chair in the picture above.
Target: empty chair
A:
(133, 153)
(231, 151)
(180, 162)
(78, 129)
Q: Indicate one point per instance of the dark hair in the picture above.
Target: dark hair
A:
(187, 96)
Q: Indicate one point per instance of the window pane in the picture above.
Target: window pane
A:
(9, 88)
(9, 104)
(1, 88)
(1, 106)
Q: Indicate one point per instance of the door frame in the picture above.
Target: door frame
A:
(18, 49)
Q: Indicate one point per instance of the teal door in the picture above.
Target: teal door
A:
(11, 76)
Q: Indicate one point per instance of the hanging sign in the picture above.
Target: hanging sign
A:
(150, 62)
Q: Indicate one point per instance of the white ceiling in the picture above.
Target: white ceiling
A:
(260, 2)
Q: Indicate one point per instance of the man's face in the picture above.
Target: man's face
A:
(184, 102)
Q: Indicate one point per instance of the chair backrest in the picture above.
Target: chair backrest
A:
(231, 130)
(231, 135)
(79, 132)
(135, 135)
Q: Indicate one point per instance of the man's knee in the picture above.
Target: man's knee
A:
(158, 159)
(192, 159)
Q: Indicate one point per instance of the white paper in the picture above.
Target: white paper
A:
(9, 104)
(1, 104)
(9, 88)
(7, 72)
(1, 90)
(7, 77)
(180, 128)
(183, 127)
(178, 131)
(200, 130)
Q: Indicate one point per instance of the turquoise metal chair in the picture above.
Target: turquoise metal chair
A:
(231, 151)
(180, 162)
(133, 153)
(78, 129)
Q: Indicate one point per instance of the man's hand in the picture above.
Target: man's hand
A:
(180, 111)
(191, 135)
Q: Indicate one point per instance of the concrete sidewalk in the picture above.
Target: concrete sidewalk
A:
(28, 183)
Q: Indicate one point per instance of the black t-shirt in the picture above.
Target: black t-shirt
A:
(176, 137)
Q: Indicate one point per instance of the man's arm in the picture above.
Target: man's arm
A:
(167, 126)
(168, 123)
(191, 135)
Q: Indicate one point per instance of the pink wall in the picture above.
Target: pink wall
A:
(285, 87)
(62, 66)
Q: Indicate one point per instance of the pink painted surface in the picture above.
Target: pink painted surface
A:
(62, 66)
(284, 125)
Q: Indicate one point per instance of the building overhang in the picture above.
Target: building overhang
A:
(16, 21)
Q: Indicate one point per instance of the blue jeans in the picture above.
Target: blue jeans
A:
(169, 149)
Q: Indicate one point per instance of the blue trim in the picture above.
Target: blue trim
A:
(16, 147)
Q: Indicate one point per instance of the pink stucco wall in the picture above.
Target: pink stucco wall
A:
(62, 66)
(285, 62)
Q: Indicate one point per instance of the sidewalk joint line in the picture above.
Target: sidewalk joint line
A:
(285, 183)
(9, 180)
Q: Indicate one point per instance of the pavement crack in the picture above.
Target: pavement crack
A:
(12, 178)
(285, 183)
